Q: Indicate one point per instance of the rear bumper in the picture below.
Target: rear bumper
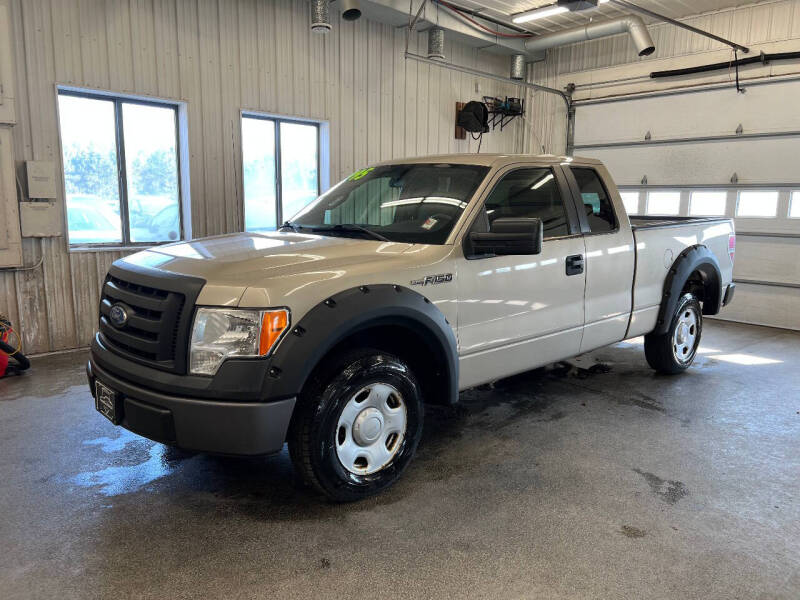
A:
(728, 298)
(225, 427)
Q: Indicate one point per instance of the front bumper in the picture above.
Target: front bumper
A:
(206, 425)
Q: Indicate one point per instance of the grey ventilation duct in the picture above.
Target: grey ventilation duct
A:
(518, 66)
(630, 24)
(436, 43)
(320, 16)
(351, 9)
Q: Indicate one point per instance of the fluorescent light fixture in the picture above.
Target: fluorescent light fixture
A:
(539, 13)
(544, 12)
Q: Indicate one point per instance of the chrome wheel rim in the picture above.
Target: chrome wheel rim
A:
(371, 429)
(684, 339)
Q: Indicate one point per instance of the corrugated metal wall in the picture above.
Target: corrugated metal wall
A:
(220, 56)
(774, 20)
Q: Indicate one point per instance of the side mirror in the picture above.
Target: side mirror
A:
(509, 236)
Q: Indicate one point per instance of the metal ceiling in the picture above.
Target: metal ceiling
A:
(677, 9)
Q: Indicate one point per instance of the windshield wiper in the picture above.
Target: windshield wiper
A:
(351, 227)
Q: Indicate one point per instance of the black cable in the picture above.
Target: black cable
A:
(750, 60)
(20, 358)
(479, 139)
(736, 61)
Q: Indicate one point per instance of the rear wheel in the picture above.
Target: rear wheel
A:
(674, 351)
(357, 425)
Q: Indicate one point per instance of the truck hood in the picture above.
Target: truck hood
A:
(241, 260)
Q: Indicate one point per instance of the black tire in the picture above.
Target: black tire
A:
(313, 432)
(661, 351)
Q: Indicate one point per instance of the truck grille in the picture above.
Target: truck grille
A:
(153, 329)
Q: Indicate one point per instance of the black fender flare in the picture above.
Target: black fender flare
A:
(694, 258)
(349, 312)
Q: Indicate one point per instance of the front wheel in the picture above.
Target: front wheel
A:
(357, 425)
(674, 351)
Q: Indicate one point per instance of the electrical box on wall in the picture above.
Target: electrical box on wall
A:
(41, 219)
(41, 179)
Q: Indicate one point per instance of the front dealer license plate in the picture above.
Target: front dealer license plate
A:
(105, 401)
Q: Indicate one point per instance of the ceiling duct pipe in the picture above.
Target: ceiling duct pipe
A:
(629, 24)
(320, 16)
(518, 67)
(436, 43)
(351, 9)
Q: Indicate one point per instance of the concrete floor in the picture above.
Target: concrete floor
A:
(600, 480)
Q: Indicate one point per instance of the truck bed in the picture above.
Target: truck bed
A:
(648, 222)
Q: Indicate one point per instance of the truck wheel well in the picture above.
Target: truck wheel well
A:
(696, 284)
(695, 270)
(704, 284)
(429, 364)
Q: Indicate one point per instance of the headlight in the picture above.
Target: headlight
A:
(219, 333)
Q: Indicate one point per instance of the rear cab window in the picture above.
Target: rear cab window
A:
(595, 203)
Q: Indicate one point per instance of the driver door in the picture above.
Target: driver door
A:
(522, 311)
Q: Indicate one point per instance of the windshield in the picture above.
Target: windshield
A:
(416, 203)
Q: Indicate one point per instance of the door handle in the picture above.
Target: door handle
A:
(575, 264)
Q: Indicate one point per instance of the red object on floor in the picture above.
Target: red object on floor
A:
(3, 356)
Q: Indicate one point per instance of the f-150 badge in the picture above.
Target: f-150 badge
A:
(433, 279)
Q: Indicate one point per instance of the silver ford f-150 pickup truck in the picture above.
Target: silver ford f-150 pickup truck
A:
(407, 282)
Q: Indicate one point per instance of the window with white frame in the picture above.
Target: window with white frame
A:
(794, 207)
(121, 169)
(757, 203)
(281, 169)
(704, 203)
(631, 202)
(664, 203)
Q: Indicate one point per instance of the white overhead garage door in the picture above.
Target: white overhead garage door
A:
(715, 152)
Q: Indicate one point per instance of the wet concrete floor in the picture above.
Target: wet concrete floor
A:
(590, 479)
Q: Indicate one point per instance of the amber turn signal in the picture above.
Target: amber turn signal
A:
(273, 324)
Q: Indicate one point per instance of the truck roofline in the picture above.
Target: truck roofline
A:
(492, 160)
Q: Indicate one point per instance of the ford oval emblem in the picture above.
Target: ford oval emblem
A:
(118, 315)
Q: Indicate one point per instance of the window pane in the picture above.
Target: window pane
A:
(794, 210)
(631, 202)
(757, 204)
(151, 164)
(529, 193)
(258, 155)
(707, 204)
(663, 203)
(299, 177)
(599, 212)
(88, 140)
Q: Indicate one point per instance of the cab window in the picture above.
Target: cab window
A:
(528, 193)
(596, 203)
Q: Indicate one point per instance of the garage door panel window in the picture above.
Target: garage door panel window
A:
(757, 204)
(707, 203)
(794, 208)
(529, 193)
(631, 202)
(121, 169)
(664, 203)
(596, 203)
(280, 168)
